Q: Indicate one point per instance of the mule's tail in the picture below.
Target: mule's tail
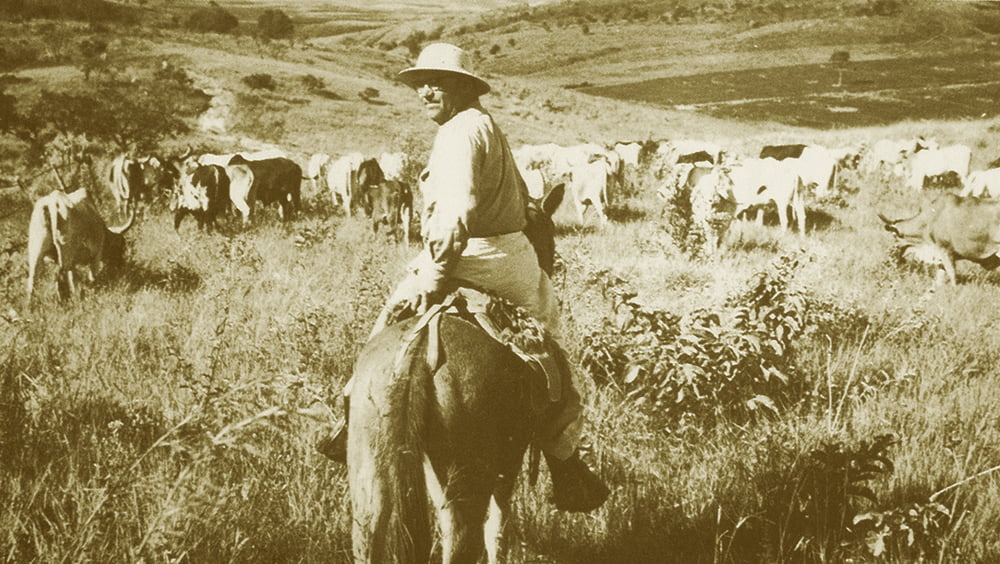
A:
(403, 529)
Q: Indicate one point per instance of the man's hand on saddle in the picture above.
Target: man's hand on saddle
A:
(429, 292)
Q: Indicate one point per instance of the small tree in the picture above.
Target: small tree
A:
(839, 59)
(275, 24)
(214, 19)
(94, 56)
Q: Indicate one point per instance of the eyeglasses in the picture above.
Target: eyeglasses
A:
(435, 85)
(426, 89)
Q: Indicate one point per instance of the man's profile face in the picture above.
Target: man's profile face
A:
(444, 96)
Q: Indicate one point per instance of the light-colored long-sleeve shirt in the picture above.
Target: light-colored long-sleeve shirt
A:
(471, 188)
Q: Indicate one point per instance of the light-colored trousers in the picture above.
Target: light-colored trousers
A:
(506, 265)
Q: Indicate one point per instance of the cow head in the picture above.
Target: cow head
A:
(114, 243)
(910, 230)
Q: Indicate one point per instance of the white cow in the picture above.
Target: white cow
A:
(889, 154)
(315, 169)
(711, 206)
(755, 182)
(342, 178)
(535, 181)
(126, 181)
(982, 183)
(589, 183)
(629, 152)
(817, 166)
(934, 162)
(69, 229)
(393, 165)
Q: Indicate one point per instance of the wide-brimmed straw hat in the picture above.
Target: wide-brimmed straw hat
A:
(442, 59)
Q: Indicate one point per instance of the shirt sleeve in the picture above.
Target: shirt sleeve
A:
(453, 172)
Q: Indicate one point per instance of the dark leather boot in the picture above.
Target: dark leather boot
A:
(575, 487)
(333, 443)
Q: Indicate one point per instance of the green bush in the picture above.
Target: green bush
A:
(213, 19)
(260, 81)
(691, 372)
(274, 24)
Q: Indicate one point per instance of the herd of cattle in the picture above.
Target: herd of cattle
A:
(719, 183)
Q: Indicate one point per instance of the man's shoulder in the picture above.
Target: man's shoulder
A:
(472, 118)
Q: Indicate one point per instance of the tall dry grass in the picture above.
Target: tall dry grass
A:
(168, 416)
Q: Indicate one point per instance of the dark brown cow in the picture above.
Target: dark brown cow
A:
(266, 181)
(369, 175)
(949, 228)
(782, 152)
(392, 206)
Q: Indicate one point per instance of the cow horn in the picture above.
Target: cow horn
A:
(187, 153)
(128, 222)
(888, 221)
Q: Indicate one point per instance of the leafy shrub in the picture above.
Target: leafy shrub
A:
(213, 19)
(274, 24)
(260, 81)
(818, 499)
(413, 41)
(494, 49)
(312, 82)
(14, 55)
(693, 371)
(914, 532)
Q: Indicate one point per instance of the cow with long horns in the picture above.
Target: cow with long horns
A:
(68, 229)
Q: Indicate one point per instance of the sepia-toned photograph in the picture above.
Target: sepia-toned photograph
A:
(499, 281)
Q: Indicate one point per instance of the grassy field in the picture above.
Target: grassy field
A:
(872, 92)
(168, 416)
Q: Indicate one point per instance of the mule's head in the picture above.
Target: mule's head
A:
(540, 229)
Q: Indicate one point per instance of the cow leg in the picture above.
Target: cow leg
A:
(244, 209)
(799, 209)
(66, 286)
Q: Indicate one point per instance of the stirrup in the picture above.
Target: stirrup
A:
(575, 487)
(333, 444)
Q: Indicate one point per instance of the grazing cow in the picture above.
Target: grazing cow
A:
(369, 174)
(816, 166)
(341, 177)
(782, 152)
(889, 154)
(696, 158)
(629, 153)
(266, 181)
(315, 169)
(755, 182)
(982, 183)
(949, 228)
(126, 180)
(934, 162)
(393, 165)
(711, 209)
(589, 182)
(534, 179)
(69, 229)
(671, 153)
(204, 195)
(391, 206)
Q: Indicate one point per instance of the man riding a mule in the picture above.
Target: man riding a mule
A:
(475, 214)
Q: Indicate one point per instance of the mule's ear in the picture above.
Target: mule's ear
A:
(551, 201)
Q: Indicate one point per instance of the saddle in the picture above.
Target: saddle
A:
(509, 325)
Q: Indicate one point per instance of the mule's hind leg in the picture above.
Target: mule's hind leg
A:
(461, 513)
(495, 533)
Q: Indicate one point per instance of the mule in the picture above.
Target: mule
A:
(444, 441)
